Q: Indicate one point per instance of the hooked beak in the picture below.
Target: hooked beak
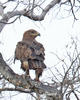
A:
(38, 34)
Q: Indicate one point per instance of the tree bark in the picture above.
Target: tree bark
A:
(26, 82)
(27, 13)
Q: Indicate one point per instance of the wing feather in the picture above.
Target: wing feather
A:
(33, 53)
(22, 51)
(38, 55)
(37, 51)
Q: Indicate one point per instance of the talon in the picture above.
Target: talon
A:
(37, 79)
(23, 76)
(27, 76)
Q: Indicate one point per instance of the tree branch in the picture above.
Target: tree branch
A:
(25, 83)
(44, 12)
(27, 13)
(16, 89)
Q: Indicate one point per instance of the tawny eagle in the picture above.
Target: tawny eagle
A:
(30, 53)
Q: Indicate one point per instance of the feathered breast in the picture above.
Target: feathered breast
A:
(25, 51)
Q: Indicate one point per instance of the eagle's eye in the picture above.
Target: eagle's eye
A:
(32, 32)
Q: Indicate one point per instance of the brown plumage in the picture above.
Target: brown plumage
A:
(30, 53)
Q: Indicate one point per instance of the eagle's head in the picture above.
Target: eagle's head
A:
(30, 34)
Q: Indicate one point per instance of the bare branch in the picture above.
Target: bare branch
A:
(76, 95)
(27, 13)
(44, 12)
(10, 22)
(26, 83)
(16, 89)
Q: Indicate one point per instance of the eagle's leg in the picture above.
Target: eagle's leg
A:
(38, 73)
(27, 73)
(25, 67)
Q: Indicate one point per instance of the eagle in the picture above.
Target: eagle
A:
(30, 53)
